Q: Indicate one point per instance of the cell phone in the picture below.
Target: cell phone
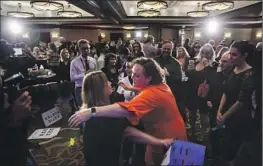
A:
(18, 51)
(191, 62)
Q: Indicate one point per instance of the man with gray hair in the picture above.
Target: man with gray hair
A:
(80, 66)
(213, 100)
(149, 48)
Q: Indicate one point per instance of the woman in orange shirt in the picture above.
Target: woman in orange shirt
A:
(155, 104)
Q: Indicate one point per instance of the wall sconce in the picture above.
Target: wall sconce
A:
(102, 34)
(54, 35)
(128, 35)
(146, 35)
(227, 35)
(197, 34)
(25, 35)
(259, 35)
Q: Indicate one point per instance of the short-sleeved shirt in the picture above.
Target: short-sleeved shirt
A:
(157, 108)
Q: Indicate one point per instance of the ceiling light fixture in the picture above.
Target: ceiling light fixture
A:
(152, 4)
(148, 13)
(19, 13)
(127, 27)
(217, 5)
(69, 13)
(41, 5)
(199, 12)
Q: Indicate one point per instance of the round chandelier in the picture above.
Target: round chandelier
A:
(19, 13)
(199, 12)
(128, 27)
(41, 5)
(218, 5)
(69, 13)
(152, 4)
(149, 13)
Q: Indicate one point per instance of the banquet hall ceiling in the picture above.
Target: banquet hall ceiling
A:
(115, 13)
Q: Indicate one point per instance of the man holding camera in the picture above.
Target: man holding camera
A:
(13, 125)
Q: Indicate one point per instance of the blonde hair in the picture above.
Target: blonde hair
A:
(94, 90)
(208, 52)
(62, 52)
(185, 53)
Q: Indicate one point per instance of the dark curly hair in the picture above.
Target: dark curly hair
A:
(107, 58)
(245, 48)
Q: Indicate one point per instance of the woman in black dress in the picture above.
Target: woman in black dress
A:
(236, 103)
(198, 77)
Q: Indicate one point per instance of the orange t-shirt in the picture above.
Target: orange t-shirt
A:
(157, 108)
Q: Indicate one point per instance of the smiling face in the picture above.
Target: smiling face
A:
(139, 78)
(167, 49)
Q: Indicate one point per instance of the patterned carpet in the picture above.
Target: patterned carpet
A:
(56, 151)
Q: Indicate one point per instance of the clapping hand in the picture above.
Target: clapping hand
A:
(125, 86)
(220, 118)
(166, 73)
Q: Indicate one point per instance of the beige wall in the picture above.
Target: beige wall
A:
(90, 34)
(236, 34)
(167, 34)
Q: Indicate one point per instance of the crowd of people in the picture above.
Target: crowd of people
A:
(136, 98)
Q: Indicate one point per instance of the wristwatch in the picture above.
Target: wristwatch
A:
(93, 111)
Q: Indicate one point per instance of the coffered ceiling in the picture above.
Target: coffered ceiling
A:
(118, 13)
(180, 8)
(7, 6)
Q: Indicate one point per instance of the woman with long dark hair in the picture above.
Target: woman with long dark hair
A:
(137, 50)
(236, 104)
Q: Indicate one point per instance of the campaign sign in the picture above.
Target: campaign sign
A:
(184, 153)
(51, 116)
(46, 133)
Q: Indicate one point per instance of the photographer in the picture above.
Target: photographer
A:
(13, 125)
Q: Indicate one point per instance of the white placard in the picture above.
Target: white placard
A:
(166, 159)
(51, 116)
(46, 133)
